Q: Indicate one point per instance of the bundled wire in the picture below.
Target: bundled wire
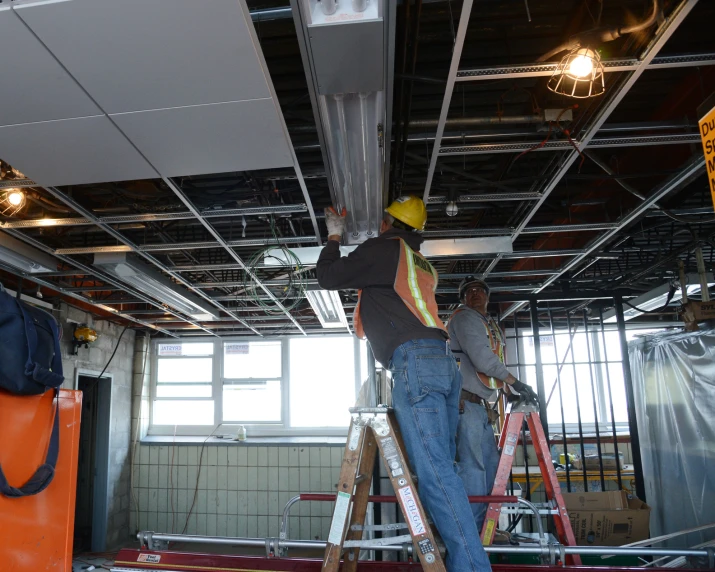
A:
(289, 295)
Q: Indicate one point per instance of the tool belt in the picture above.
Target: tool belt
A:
(469, 396)
(465, 395)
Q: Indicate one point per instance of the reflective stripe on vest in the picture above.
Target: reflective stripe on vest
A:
(415, 284)
(496, 344)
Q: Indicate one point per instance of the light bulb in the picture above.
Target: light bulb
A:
(582, 64)
(16, 198)
(452, 208)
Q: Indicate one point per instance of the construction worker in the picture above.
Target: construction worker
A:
(397, 311)
(478, 345)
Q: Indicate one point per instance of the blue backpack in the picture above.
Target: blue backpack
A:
(30, 364)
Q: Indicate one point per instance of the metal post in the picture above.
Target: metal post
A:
(578, 406)
(610, 396)
(596, 419)
(539, 366)
(561, 399)
(630, 402)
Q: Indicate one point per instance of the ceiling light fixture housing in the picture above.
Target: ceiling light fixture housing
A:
(151, 282)
(579, 74)
(328, 307)
(19, 255)
(347, 53)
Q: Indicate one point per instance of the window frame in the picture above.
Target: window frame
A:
(192, 429)
(262, 429)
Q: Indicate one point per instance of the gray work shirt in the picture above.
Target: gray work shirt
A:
(469, 342)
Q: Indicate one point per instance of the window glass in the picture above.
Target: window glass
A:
(252, 402)
(183, 349)
(185, 370)
(252, 360)
(322, 381)
(181, 412)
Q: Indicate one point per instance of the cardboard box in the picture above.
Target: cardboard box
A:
(609, 462)
(609, 518)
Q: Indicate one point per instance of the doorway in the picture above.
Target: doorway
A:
(90, 528)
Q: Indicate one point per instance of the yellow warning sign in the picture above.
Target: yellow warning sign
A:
(707, 134)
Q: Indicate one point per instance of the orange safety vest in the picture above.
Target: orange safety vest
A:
(497, 345)
(415, 283)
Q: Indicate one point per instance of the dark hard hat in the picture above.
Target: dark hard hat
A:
(470, 281)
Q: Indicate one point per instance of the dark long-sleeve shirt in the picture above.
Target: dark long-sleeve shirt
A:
(372, 267)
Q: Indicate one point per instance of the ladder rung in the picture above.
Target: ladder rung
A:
(374, 527)
(405, 538)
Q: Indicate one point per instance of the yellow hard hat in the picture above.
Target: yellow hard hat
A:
(410, 210)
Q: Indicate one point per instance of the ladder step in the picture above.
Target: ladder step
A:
(379, 527)
(405, 538)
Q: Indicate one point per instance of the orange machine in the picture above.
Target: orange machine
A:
(37, 531)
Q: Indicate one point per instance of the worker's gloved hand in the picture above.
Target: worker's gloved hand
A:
(525, 392)
(335, 222)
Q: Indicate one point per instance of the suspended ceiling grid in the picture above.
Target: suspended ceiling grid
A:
(585, 195)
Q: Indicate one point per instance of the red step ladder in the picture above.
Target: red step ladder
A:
(507, 444)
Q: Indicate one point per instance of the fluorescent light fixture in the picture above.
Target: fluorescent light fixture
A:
(327, 306)
(23, 257)
(349, 70)
(153, 283)
(655, 298)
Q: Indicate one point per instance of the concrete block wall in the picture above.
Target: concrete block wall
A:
(94, 359)
(242, 488)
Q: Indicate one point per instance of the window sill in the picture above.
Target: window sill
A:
(250, 441)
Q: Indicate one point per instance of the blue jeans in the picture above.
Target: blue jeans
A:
(477, 456)
(425, 396)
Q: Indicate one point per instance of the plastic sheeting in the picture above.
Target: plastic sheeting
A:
(674, 387)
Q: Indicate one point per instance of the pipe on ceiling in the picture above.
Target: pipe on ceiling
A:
(475, 121)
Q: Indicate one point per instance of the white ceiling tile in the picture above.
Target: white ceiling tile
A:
(72, 152)
(218, 138)
(133, 55)
(34, 86)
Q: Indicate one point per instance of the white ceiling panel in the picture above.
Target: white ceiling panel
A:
(72, 152)
(133, 55)
(35, 87)
(235, 136)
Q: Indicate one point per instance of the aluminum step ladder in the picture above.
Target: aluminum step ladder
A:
(374, 429)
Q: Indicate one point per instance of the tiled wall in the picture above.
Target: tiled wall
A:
(242, 489)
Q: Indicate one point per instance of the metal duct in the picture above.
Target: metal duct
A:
(348, 51)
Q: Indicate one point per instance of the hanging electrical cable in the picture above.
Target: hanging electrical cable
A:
(292, 293)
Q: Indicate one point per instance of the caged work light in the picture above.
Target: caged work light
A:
(579, 74)
(151, 282)
(12, 201)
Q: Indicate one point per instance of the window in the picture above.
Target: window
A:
(286, 386)
(252, 381)
(183, 391)
(322, 380)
